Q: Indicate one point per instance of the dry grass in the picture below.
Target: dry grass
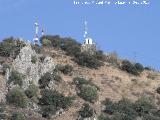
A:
(114, 83)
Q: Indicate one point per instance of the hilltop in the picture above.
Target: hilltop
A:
(58, 81)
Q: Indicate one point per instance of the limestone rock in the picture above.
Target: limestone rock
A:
(29, 64)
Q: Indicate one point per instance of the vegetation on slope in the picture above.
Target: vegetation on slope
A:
(126, 110)
(73, 48)
(132, 68)
(50, 102)
(17, 98)
(10, 47)
(87, 90)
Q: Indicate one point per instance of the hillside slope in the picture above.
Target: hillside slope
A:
(70, 80)
(113, 82)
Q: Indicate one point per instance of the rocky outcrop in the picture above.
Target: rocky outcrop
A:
(29, 64)
(3, 91)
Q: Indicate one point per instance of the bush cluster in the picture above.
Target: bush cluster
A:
(4, 68)
(10, 47)
(87, 90)
(126, 110)
(47, 77)
(99, 55)
(53, 101)
(33, 59)
(18, 116)
(88, 93)
(73, 48)
(66, 69)
(139, 67)
(17, 97)
(88, 60)
(48, 111)
(42, 58)
(16, 78)
(131, 68)
(79, 82)
(3, 114)
(86, 111)
(103, 117)
(31, 91)
(67, 44)
(158, 90)
(50, 40)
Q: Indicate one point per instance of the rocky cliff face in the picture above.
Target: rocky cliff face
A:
(29, 64)
(2, 89)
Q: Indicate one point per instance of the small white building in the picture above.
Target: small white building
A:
(88, 45)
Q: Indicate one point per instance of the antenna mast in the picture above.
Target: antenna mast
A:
(85, 29)
(36, 39)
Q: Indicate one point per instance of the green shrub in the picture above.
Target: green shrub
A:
(126, 107)
(18, 116)
(10, 47)
(16, 78)
(110, 107)
(149, 68)
(56, 77)
(71, 46)
(126, 110)
(143, 106)
(42, 58)
(48, 111)
(47, 77)
(2, 107)
(3, 115)
(129, 67)
(88, 60)
(158, 90)
(45, 80)
(99, 55)
(56, 99)
(103, 117)
(87, 90)
(50, 40)
(88, 93)
(81, 81)
(150, 117)
(31, 91)
(121, 116)
(86, 111)
(66, 69)
(17, 97)
(139, 67)
(7, 47)
(52, 101)
(4, 68)
(33, 59)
